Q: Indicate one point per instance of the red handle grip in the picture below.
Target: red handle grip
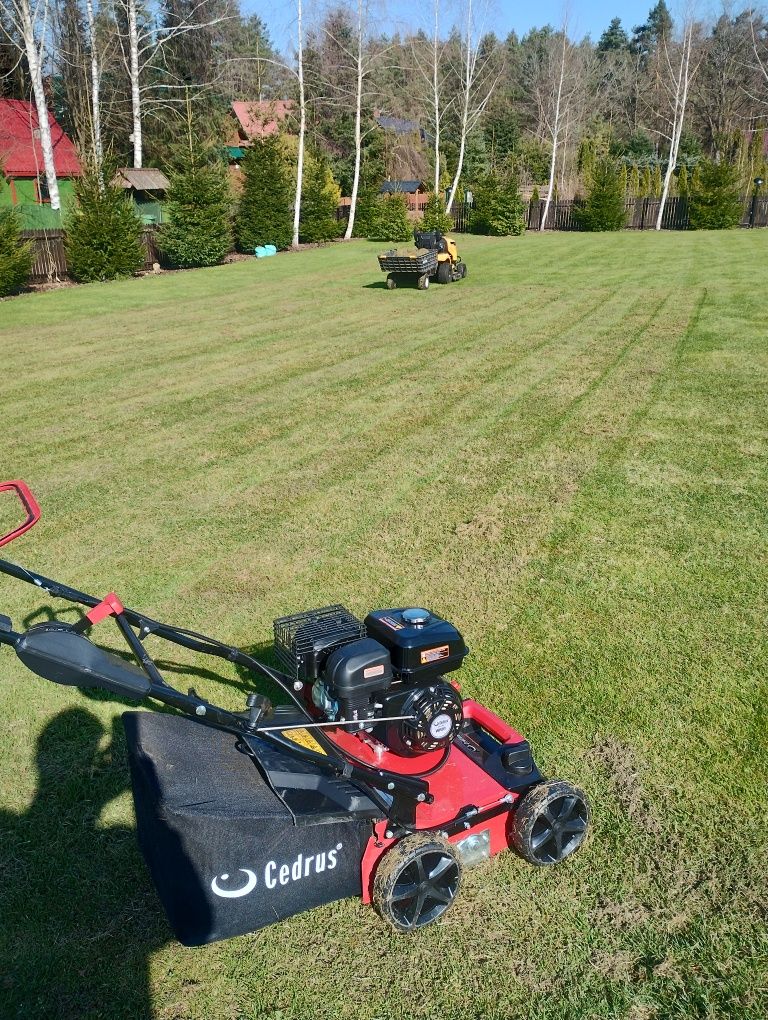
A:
(29, 503)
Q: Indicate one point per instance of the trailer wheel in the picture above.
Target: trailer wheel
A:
(423, 282)
(444, 272)
(391, 282)
(551, 823)
(416, 881)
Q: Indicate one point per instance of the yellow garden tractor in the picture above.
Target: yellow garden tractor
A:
(436, 257)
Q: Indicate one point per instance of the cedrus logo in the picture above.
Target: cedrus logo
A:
(275, 874)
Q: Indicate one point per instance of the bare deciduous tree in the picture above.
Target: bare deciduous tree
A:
(679, 82)
(429, 61)
(143, 46)
(30, 22)
(302, 122)
(479, 77)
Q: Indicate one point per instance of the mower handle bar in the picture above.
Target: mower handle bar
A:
(30, 505)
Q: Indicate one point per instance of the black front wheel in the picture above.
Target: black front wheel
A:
(416, 881)
(551, 822)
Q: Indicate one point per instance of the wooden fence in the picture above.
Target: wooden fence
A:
(49, 255)
(641, 214)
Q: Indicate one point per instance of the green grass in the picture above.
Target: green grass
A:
(565, 454)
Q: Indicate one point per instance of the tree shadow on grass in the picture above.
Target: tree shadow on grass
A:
(80, 918)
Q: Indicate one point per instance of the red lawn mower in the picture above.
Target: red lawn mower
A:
(374, 779)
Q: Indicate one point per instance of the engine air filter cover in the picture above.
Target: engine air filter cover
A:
(422, 645)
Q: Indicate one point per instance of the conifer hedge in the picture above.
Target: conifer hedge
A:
(264, 215)
(15, 257)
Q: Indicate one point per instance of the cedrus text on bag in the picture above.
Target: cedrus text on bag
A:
(276, 874)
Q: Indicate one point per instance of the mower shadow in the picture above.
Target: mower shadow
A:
(80, 919)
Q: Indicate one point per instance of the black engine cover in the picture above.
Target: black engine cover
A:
(423, 647)
(353, 673)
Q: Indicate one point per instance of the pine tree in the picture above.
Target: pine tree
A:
(435, 217)
(645, 183)
(623, 177)
(656, 184)
(715, 203)
(103, 232)
(605, 207)
(320, 197)
(682, 181)
(498, 206)
(198, 208)
(391, 222)
(367, 208)
(15, 257)
(634, 182)
(372, 173)
(264, 215)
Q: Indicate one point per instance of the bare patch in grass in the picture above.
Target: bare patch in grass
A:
(625, 776)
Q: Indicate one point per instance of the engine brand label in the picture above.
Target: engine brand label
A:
(435, 654)
(391, 622)
(373, 671)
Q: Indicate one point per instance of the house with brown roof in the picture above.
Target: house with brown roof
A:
(147, 187)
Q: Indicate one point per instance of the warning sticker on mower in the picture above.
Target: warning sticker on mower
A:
(435, 654)
(305, 739)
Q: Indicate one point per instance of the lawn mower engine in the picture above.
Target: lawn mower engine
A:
(386, 673)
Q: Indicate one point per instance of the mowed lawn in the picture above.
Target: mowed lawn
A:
(565, 455)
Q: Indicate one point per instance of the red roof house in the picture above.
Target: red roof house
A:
(259, 119)
(22, 174)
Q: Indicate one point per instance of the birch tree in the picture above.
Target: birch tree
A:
(302, 122)
(479, 76)
(429, 61)
(143, 44)
(30, 21)
(98, 146)
(556, 110)
(679, 79)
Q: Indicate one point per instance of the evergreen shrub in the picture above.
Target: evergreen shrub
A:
(714, 202)
(198, 208)
(391, 221)
(15, 257)
(103, 232)
(265, 212)
(605, 207)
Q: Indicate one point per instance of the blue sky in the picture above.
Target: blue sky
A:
(586, 18)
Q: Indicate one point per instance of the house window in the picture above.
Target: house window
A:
(43, 195)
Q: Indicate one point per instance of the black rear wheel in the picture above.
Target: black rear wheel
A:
(551, 822)
(416, 881)
(444, 272)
